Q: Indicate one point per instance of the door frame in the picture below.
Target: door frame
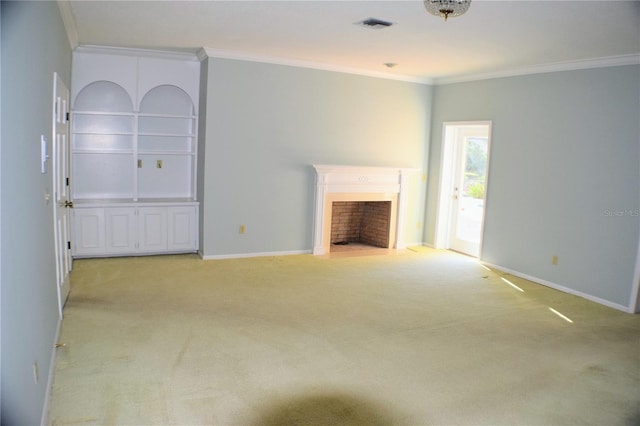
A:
(447, 178)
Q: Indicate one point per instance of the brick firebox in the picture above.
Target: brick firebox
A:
(365, 222)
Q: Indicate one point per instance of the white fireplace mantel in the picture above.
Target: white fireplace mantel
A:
(360, 184)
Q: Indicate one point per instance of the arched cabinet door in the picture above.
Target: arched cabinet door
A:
(102, 142)
(167, 125)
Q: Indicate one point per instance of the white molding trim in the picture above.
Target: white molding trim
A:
(608, 61)
(206, 52)
(261, 254)
(148, 53)
(243, 56)
(44, 419)
(559, 287)
(69, 22)
(202, 54)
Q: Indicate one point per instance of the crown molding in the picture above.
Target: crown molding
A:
(608, 61)
(127, 51)
(241, 56)
(202, 54)
(69, 23)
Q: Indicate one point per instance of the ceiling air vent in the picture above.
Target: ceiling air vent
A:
(374, 24)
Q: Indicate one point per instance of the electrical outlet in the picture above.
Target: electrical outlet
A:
(36, 373)
(242, 229)
(554, 260)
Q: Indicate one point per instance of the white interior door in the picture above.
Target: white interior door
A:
(62, 204)
(463, 186)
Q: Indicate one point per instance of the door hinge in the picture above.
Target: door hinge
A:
(68, 245)
(67, 116)
(66, 181)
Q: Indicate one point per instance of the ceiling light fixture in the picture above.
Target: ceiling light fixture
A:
(447, 8)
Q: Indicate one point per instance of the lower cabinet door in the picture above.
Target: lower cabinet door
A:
(182, 229)
(88, 232)
(133, 230)
(152, 229)
(121, 229)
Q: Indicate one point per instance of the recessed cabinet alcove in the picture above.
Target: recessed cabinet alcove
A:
(133, 153)
(102, 143)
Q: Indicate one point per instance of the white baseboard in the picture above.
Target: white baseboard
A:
(560, 287)
(44, 420)
(262, 254)
(419, 243)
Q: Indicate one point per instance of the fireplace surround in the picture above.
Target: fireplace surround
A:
(354, 183)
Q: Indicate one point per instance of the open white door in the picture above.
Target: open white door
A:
(462, 186)
(60, 151)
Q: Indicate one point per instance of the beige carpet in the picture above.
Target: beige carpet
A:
(420, 337)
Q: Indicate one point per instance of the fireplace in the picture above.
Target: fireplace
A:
(356, 190)
(365, 222)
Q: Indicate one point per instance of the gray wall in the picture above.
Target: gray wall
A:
(565, 161)
(267, 124)
(34, 45)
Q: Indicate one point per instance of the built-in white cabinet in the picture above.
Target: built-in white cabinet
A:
(116, 230)
(134, 129)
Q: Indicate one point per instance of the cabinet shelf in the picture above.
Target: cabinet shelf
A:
(158, 152)
(153, 115)
(103, 151)
(114, 113)
(80, 132)
(169, 135)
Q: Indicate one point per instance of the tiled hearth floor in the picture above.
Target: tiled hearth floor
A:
(357, 249)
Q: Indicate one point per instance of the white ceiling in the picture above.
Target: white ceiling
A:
(493, 37)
